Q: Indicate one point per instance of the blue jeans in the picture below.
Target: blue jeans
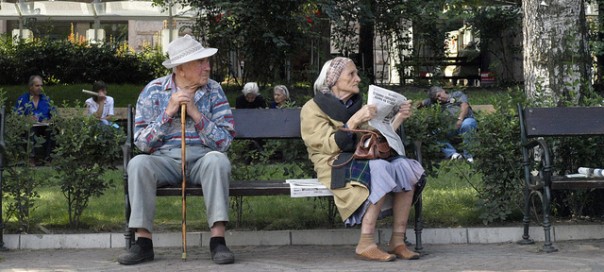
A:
(467, 125)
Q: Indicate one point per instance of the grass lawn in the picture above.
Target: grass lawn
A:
(448, 202)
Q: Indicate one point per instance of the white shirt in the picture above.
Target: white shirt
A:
(94, 106)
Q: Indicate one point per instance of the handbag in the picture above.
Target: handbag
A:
(372, 145)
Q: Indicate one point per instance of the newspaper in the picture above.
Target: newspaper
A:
(307, 188)
(387, 103)
(586, 172)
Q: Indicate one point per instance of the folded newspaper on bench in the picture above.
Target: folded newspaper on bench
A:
(388, 103)
(307, 188)
(586, 172)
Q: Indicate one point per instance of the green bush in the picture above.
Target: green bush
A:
(21, 179)
(496, 148)
(84, 150)
(498, 159)
(63, 62)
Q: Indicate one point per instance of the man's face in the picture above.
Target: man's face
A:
(36, 87)
(197, 72)
(442, 97)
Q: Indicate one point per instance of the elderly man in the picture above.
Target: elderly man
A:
(457, 105)
(37, 105)
(209, 133)
(34, 102)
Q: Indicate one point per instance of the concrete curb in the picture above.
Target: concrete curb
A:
(304, 237)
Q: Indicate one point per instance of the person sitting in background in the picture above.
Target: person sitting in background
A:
(457, 105)
(101, 105)
(36, 104)
(251, 98)
(280, 97)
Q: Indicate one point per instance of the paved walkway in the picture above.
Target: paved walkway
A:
(577, 255)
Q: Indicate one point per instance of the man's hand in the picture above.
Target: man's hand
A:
(102, 97)
(458, 123)
(180, 97)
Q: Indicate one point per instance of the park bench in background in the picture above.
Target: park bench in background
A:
(430, 68)
(250, 124)
(537, 126)
(120, 114)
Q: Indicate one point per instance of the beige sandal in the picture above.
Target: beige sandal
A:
(373, 253)
(403, 252)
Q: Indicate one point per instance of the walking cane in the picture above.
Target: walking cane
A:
(183, 155)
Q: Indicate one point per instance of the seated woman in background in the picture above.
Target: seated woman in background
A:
(251, 98)
(100, 105)
(280, 97)
(360, 187)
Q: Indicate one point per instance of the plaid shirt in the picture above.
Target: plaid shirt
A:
(155, 130)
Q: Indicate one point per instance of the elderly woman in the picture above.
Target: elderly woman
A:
(280, 97)
(251, 98)
(361, 187)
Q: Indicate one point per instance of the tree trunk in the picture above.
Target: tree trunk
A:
(556, 58)
(366, 39)
(600, 53)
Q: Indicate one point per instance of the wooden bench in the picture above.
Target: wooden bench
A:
(120, 113)
(429, 65)
(250, 124)
(537, 126)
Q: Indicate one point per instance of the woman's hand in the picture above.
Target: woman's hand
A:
(404, 112)
(363, 115)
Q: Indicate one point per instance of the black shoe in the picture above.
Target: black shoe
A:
(135, 255)
(222, 255)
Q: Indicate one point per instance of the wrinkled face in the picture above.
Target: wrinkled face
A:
(195, 73)
(348, 82)
(36, 87)
(278, 96)
(250, 97)
(442, 97)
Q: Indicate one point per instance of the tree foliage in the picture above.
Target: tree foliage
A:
(262, 37)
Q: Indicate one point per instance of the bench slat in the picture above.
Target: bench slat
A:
(562, 183)
(247, 188)
(567, 121)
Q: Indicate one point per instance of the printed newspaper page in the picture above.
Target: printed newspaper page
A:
(307, 188)
(387, 103)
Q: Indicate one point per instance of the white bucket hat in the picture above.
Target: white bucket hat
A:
(185, 49)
